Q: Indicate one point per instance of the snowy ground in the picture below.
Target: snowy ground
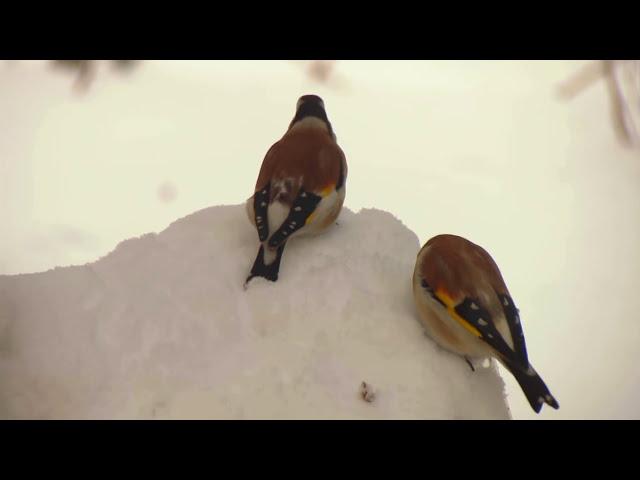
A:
(482, 149)
(162, 328)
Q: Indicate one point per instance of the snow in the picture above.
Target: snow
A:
(162, 328)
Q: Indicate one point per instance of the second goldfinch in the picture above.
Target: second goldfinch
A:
(463, 302)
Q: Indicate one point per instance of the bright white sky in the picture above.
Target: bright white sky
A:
(482, 149)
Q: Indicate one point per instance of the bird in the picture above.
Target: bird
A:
(300, 188)
(464, 304)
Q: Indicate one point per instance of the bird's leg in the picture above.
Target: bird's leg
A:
(469, 363)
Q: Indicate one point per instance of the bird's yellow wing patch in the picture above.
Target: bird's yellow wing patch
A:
(327, 190)
(310, 218)
(448, 302)
(323, 193)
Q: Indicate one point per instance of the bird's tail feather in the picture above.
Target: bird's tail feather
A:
(266, 270)
(533, 387)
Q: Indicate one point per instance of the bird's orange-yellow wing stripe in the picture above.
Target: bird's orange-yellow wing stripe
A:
(444, 297)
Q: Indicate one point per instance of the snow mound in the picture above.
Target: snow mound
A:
(162, 328)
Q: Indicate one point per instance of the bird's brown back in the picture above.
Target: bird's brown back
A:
(460, 268)
(309, 158)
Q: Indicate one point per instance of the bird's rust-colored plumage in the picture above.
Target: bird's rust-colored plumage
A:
(305, 158)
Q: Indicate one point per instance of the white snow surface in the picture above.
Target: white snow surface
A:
(162, 328)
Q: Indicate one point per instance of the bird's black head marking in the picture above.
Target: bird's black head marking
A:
(311, 106)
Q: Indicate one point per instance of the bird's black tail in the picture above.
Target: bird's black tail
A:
(533, 387)
(268, 271)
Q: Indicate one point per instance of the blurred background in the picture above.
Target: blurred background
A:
(537, 161)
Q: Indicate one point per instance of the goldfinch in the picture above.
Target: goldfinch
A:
(466, 308)
(300, 188)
